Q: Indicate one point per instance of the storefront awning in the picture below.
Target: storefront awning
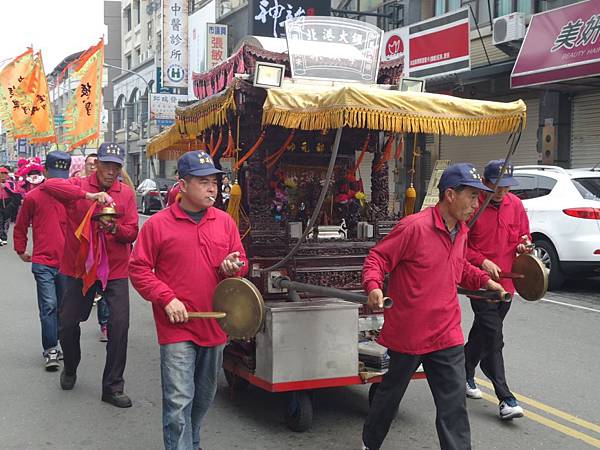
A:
(386, 110)
(561, 44)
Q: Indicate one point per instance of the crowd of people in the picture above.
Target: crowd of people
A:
(87, 247)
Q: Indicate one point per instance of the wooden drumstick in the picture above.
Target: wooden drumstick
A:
(206, 315)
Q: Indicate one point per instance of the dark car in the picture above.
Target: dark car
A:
(148, 197)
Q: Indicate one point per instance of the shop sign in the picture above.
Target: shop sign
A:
(440, 46)
(162, 107)
(333, 48)
(267, 17)
(561, 44)
(174, 43)
(216, 44)
(395, 44)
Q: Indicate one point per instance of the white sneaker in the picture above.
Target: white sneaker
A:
(510, 409)
(472, 390)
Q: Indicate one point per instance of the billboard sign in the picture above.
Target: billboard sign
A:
(162, 107)
(197, 42)
(333, 48)
(216, 44)
(395, 44)
(174, 43)
(267, 17)
(440, 46)
(561, 44)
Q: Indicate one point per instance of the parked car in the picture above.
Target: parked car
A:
(148, 196)
(563, 206)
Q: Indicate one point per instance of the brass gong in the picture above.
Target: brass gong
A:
(243, 306)
(534, 283)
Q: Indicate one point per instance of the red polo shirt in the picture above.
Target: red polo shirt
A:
(48, 219)
(71, 193)
(497, 233)
(175, 257)
(425, 268)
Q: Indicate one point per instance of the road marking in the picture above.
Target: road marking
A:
(549, 409)
(570, 305)
(549, 422)
(552, 424)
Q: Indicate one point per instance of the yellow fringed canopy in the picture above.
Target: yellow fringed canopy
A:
(317, 107)
(386, 110)
(197, 118)
(191, 121)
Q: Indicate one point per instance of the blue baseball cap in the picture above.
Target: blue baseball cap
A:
(111, 152)
(57, 164)
(461, 174)
(492, 172)
(197, 164)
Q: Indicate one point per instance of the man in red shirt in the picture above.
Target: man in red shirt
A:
(179, 258)
(48, 219)
(498, 235)
(425, 258)
(77, 194)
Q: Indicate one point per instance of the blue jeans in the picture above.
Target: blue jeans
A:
(189, 383)
(50, 287)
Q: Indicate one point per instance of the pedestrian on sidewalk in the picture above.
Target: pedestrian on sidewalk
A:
(495, 240)
(48, 219)
(424, 325)
(187, 242)
(9, 202)
(78, 194)
(89, 167)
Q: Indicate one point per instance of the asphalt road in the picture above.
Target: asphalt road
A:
(552, 358)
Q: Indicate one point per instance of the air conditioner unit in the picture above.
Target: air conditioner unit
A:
(509, 28)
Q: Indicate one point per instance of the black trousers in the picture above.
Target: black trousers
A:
(485, 345)
(75, 308)
(5, 215)
(446, 378)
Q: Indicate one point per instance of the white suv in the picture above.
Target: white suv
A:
(563, 206)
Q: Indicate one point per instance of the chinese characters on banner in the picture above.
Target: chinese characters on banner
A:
(333, 48)
(216, 44)
(162, 107)
(42, 120)
(82, 116)
(267, 17)
(15, 103)
(175, 43)
(561, 44)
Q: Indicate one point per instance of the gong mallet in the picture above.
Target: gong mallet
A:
(497, 296)
(293, 286)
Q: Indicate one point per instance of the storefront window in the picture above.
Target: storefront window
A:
(504, 7)
(546, 5)
(444, 6)
(225, 7)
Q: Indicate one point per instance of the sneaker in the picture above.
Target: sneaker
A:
(510, 409)
(103, 333)
(51, 363)
(472, 389)
(118, 399)
(67, 381)
(3, 242)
